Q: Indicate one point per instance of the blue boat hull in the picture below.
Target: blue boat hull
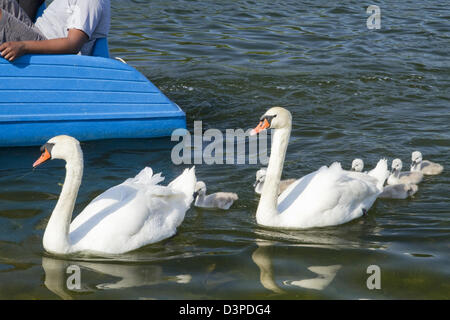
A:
(87, 97)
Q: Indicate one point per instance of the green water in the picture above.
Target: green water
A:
(353, 92)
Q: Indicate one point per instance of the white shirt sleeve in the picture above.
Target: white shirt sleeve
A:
(84, 15)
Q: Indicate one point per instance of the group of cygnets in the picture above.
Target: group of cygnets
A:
(399, 185)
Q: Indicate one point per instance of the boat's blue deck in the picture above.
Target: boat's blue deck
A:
(87, 97)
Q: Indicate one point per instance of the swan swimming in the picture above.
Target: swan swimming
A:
(424, 166)
(326, 197)
(398, 177)
(220, 200)
(261, 177)
(125, 217)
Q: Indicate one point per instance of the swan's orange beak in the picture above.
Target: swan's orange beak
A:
(263, 125)
(44, 157)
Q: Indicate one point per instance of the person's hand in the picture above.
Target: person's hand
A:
(12, 50)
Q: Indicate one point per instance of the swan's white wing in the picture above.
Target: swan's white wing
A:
(398, 191)
(121, 193)
(106, 225)
(413, 177)
(328, 196)
(223, 200)
(185, 183)
(167, 207)
(114, 196)
(103, 202)
(431, 168)
(128, 216)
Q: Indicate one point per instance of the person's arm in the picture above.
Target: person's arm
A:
(72, 44)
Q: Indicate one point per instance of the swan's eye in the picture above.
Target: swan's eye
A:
(48, 146)
(268, 118)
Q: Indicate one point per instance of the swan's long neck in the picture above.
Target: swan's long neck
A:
(200, 200)
(416, 166)
(56, 236)
(259, 186)
(267, 212)
(396, 173)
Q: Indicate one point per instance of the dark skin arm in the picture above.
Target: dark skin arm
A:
(72, 44)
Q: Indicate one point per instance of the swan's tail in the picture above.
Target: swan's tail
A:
(185, 183)
(380, 172)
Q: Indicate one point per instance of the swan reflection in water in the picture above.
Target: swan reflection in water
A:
(316, 276)
(136, 275)
(324, 274)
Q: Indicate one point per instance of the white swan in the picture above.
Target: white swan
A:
(398, 177)
(128, 216)
(399, 191)
(220, 200)
(424, 166)
(261, 177)
(328, 196)
(357, 165)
